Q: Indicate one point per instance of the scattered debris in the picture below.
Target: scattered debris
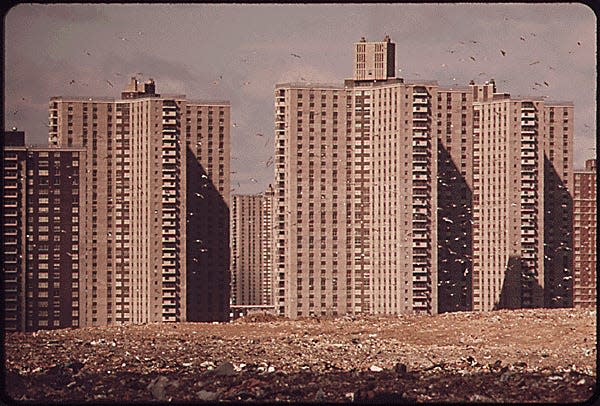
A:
(507, 356)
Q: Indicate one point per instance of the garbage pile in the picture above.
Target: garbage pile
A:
(536, 355)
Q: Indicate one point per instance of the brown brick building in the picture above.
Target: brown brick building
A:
(251, 249)
(397, 197)
(584, 244)
(157, 244)
(42, 244)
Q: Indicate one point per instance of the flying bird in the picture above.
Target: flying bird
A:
(259, 135)
(72, 81)
(253, 180)
(546, 83)
(522, 39)
(503, 52)
(534, 62)
(472, 57)
(108, 81)
(579, 43)
(296, 55)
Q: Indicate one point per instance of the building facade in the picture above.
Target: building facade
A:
(158, 183)
(251, 249)
(522, 223)
(41, 235)
(584, 238)
(396, 197)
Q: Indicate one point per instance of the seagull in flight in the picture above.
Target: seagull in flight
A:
(296, 55)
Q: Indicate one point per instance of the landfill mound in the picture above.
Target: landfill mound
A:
(539, 355)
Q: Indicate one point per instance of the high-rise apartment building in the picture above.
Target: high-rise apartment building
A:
(584, 239)
(246, 278)
(355, 193)
(268, 247)
(251, 249)
(522, 155)
(395, 197)
(41, 234)
(157, 244)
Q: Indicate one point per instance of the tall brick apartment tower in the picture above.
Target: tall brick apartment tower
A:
(356, 192)
(251, 249)
(522, 218)
(41, 234)
(585, 226)
(396, 197)
(157, 244)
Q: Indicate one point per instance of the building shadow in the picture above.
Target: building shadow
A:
(519, 290)
(207, 246)
(455, 236)
(558, 239)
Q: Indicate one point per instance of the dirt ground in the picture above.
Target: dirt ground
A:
(502, 356)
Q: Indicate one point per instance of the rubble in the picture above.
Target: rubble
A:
(504, 356)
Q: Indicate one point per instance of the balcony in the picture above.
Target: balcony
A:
(169, 279)
(420, 109)
(420, 151)
(419, 278)
(527, 161)
(420, 118)
(420, 100)
(420, 269)
(527, 201)
(418, 177)
(527, 138)
(529, 185)
(528, 256)
(169, 161)
(419, 236)
(527, 123)
(417, 244)
(528, 232)
(527, 108)
(421, 169)
(420, 202)
(528, 114)
(527, 193)
(169, 270)
(169, 121)
(527, 154)
(423, 211)
(420, 143)
(419, 134)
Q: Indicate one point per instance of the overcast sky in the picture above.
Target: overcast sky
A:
(239, 52)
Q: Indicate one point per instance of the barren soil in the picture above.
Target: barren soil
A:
(502, 356)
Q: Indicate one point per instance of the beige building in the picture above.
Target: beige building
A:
(396, 197)
(356, 193)
(158, 176)
(251, 249)
(584, 240)
(521, 242)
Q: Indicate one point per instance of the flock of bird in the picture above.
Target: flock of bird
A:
(462, 48)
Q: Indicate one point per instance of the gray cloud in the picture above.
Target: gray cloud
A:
(186, 48)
